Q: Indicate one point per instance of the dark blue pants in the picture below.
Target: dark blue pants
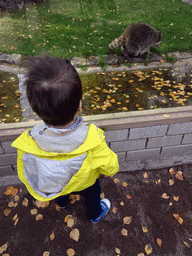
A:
(92, 199)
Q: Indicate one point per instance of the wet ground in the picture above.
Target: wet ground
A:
(151, 214)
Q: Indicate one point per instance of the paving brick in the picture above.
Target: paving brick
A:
(10, 180)
(180, 128)
(143, 154)
(164, 141)
(8, 159)
(6, 171)
(148, 132)
(177, 150)
(128, 145)
(121, 156)
(116, 135)
(187, 139)
(7, 147)
(1, 150)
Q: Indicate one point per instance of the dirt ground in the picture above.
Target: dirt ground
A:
(151, 214)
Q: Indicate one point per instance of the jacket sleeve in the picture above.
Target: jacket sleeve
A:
(104, 159)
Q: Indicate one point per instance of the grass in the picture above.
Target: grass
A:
(85, 28)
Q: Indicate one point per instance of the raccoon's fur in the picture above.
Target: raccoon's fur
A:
(137, 39)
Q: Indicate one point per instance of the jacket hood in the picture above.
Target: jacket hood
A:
(27, 144)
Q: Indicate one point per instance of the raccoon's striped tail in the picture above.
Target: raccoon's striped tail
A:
(116, 43)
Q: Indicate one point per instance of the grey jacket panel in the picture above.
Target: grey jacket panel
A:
(65, 143)
(49, 177)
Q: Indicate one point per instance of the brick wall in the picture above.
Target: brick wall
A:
(142, 140)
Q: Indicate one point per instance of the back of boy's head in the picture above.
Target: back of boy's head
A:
(53, 89)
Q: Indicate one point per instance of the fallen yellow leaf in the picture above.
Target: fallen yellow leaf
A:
(148, 249)
(171, 182)
(70, 252)
(128, 196)
(7, 211)
(117, 250)
(176, 198)
(15, 217)
(176, 216)
(116, 180)
(67, 218)
(180, 220)
(159, 242)
(3, 248)
(145, 230)
(9, 190)
(145, 175)
(124, 184)
(74, 234)
(165, 196)
(127, 220)
(52, 236)
(114, 210)
(122, 203)
(16, 221)
(39, 217)
(33, 211)
(70, 222)
(171, 171)
(179, 175)
(25, 202)
(124, 232)
(46, 253)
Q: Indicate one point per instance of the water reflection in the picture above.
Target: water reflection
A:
(136, 90)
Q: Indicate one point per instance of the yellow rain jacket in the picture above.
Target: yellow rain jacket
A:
(64, 172)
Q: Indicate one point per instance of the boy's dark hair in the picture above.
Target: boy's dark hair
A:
(54, 89)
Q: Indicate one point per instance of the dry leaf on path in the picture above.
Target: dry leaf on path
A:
(124, 232)
(41, 204)
(46, 253)
(124, 184)
(159, 242)
(148, 249)
(176, 216)
(16, 221)
(116, 180)
(141, 254)
(52, 236)
(39, 217)
(14, 192)
(57, 208)
(171, 171)
(3, 248)
(165, 196)
(117, 250)
(7, 211)
(128, 196)
(166, 115)
(67, 218)
(186, 244)
(122, 203)
(176, 198)
(102, 195)
(145, 175)
(179, 175)
(70, 222)
(180, 220)
(127, 220)
(145, 230)
(16, 198)
(12, 204)
(9, 190)
(171, 182)
(15, 217)
(25, 202)
(74, 234)
(33, 211)
(114, 210)
(70, 252)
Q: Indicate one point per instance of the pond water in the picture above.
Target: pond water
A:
(137, 90)
(112, 92)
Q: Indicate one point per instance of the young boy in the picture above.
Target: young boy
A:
(62, 155)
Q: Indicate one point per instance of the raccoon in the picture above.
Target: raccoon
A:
(137, 39)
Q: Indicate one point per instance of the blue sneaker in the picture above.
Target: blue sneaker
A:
(105, 205)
